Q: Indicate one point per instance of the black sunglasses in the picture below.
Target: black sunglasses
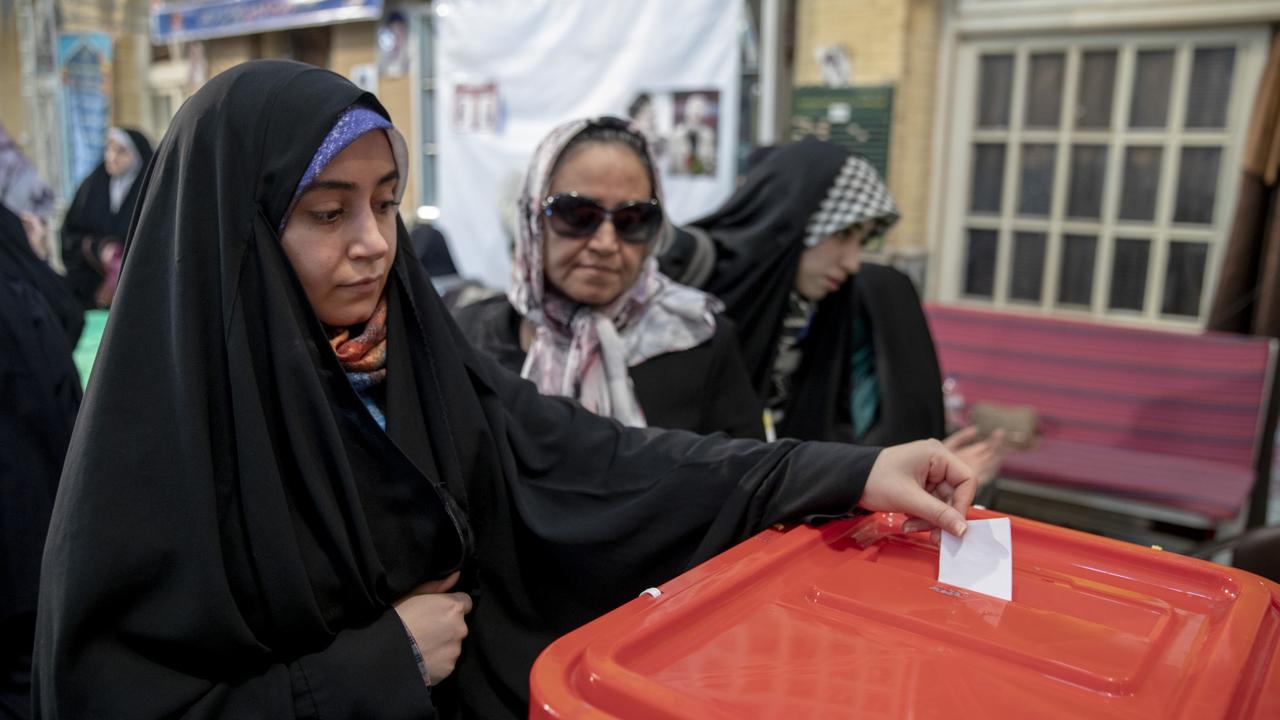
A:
(572, 215)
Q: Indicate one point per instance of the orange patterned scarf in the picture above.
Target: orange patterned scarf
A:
(364, 357)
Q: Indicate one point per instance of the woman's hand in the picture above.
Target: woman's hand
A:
(437, 620)
(924, 480)
(36, 232)
(983, 456)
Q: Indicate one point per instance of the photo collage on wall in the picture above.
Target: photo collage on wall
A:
(682, 128)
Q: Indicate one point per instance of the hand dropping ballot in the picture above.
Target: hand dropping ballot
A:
(981, 561)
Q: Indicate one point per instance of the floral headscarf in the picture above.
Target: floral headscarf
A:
(582, 351)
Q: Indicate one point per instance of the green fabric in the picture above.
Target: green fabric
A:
(864, 400)
(94, 323)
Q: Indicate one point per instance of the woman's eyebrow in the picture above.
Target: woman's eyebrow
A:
(349, 186)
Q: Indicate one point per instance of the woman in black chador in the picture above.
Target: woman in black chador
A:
(292, 478)
(39, 396)
(837, 349)
(93, 230)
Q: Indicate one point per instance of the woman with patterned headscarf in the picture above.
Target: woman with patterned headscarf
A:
(589, 315)
(838, 349)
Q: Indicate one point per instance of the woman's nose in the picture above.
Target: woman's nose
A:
(850, 259)
(369, 240)
(605, 239)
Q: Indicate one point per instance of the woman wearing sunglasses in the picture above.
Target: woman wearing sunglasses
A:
(838, 349)
(589, 316)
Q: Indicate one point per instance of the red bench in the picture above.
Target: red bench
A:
(1168, 422)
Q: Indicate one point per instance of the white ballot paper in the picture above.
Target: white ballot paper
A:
(982, 561)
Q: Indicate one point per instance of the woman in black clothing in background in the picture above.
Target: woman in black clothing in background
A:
(39, 396)
(93, 230)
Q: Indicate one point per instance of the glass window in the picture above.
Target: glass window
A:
(1210, 91)
(1152, 80)
(1035, 191)
(988, 178)
(1097, 87)
(1184, 278)
(1027, 274)
(1088, 176)
(1044, 90)
(1129, 274)
(994, 97)
(1075, 279)
(1197, 184)
(1141, 180)
(980, 263)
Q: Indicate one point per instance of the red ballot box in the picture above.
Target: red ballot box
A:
(807, 623)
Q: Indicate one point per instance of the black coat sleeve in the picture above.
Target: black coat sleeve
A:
(592, 513)
(732, 404)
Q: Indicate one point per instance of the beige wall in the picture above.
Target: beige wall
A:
(131, 57)
(13, 111)
(356, 44)
(890, 42)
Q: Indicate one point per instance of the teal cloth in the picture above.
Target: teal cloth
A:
(95, 321)
(864, 400)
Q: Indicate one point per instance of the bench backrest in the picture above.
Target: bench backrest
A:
(1192, 395)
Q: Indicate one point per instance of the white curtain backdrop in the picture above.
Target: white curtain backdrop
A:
(507, 71)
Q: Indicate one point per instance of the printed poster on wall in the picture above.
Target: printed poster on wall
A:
(84, 66)
(508, 71)
(859, 118)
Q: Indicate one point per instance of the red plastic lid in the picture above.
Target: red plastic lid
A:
(804, 623)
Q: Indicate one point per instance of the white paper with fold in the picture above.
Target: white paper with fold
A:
(981, 561)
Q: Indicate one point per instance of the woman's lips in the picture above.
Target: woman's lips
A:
(364, 285)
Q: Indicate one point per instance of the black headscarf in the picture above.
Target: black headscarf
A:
(758, 237)
(90, 221)
(19, 262)
(39, 396)
(232, 526)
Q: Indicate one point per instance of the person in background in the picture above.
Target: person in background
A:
(22, 190)
(39, 398)
(589, 315)
(432, 249)
(95, 225)
(837, 349)
(21, 240)
(295, 491)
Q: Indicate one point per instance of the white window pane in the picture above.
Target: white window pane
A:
(995, 90)
(1184, 278)
(980, 263)
(1141, 179)
(988, 178)
(1197, 184)
(1027, 274)
(1075, 276)
(1044, 90)
(1210, 90)
(1035, 189)
(1097, 88)
(1088, 173)
(1129, 274)
(1152, 80)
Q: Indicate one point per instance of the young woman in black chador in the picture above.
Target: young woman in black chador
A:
(837, 349)
(292, 477)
